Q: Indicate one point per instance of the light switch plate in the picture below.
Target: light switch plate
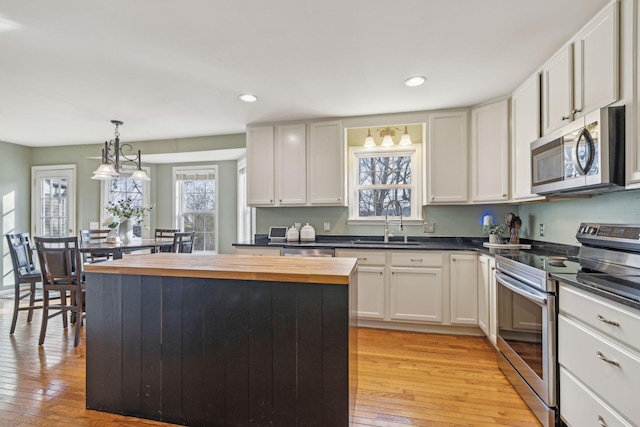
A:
(428, 227)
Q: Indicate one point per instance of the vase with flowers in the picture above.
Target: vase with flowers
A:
(123, 215)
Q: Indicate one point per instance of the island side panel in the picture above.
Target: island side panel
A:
(233, 352)
(260, 355)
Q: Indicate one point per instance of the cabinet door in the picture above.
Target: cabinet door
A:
(557, 90)
(490, 152)
(326, 168)
(416, 294)
(446, 157)
(371, 292)
(525, 119)
(464, 289)
(260, 166)
(596, 62)
(291, 164)
(483, 294)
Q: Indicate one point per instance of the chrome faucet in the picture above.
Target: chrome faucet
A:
(386, 219)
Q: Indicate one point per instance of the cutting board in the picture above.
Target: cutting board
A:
(506, 245)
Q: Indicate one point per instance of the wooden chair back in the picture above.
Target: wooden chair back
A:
(166, 233)
(94, 236)
(24, 270)
(183, 242)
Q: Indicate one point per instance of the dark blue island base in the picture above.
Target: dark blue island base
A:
(220, 352)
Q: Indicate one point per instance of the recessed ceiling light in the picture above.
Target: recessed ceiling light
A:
(247, 97)
(414, 81)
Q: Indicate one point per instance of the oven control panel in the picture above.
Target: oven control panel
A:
(627, 236)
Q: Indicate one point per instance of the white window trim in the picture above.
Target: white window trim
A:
(146, 190)
(174, 195)
(416, 199)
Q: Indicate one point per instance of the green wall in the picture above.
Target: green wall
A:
(15, 175)
(88, 190)
(561, 218)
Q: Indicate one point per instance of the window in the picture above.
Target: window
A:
(122, 188)
(196, 203)
(381, 176)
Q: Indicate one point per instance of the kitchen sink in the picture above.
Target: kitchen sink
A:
(382, 243)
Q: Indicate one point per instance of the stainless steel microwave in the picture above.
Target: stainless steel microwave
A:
(584, 157)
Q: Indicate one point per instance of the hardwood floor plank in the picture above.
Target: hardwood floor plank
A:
(404, 379)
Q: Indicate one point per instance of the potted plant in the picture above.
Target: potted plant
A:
(494, 231)
(125, 215)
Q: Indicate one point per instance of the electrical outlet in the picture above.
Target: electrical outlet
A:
(541, 230)
(327, 226)
(428, 227)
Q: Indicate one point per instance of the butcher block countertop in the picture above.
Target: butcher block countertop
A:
(237, 267)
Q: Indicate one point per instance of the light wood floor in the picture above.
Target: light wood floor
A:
(405, 379)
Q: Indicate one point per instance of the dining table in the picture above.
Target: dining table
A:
(117, 249)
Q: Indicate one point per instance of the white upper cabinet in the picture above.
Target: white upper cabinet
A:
(557, 90)
(525, 128)
(326, 166)
(260, 166)
(490, 152)
(291, 164)
(446, 157)
(596, 62)
(583, 75)
(288, 167)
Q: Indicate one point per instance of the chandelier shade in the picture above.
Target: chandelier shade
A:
(114, 160)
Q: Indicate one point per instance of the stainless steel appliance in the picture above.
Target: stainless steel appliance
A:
(608, 262)
(322, 252)
(584, 157)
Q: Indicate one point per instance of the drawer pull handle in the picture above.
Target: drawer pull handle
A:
(416, 259)
(604, 358)
(607, 321)
(601, 421)
(362, 259)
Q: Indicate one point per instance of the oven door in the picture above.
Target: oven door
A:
(527, 334)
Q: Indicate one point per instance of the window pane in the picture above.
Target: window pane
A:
(376, 202)
(384, 170)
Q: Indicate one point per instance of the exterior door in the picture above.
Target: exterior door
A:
(53, 201)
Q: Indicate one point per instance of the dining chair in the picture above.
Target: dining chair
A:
(183, 242)
(24, 272)
(94, 236)
(61, 266)
(165, 233)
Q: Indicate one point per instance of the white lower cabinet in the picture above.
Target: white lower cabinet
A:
(599, 360)
(416, 294)
(464, 289)
(487, 312)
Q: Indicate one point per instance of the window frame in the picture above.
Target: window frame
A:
(413, 150)
(175, 199)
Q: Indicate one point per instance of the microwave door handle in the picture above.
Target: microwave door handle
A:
(583, 170)
(513, 286)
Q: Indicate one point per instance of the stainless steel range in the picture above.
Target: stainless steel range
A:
(608, 262)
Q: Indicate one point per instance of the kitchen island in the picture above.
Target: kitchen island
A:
(223, 339)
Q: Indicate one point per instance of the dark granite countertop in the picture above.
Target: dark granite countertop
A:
(474, 244)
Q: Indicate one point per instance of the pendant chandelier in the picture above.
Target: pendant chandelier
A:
(115, 161)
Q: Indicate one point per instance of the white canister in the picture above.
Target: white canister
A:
(307, 233)
(293, 235)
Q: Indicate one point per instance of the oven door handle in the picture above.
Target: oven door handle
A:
(514, 286)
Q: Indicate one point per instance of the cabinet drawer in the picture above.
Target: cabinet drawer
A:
(581, 407)
(603, 366)
(416, 259)
(607, 317)
(373, 257)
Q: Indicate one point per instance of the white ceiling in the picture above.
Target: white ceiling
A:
(175, 68)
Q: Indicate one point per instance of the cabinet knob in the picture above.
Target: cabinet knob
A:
(453, 259)
(270, 200)
(504, 194)
(433, 197)
(381, 273)
(565, 117)
(602, 422)
(280, 200)
(576, 111)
